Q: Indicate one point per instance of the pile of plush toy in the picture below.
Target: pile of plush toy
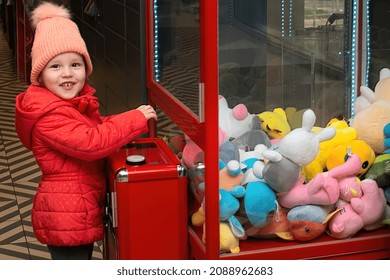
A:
(282, 177)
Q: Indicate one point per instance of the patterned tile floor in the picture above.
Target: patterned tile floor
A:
(19, 174)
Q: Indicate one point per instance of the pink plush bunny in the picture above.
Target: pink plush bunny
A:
(324, 188)
(346, 222)
(363, 212)
(372, 204)
(350, 187)
(349, 184)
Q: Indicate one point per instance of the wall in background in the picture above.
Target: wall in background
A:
(114, 34)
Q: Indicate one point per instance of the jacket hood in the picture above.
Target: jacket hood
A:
(35, 102)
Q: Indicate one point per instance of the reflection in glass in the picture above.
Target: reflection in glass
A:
(177, 49)
(284, 54)
(379, 43)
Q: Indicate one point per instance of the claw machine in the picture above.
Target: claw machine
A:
(146, 211)
(270, 62)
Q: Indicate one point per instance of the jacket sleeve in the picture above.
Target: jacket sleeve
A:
(79, 138)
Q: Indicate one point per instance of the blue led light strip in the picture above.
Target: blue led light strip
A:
(368, 48)
(354, 55)
(156, 64)
(282, 23)
(290, 19)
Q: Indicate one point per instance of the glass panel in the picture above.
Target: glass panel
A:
(177, 52)
(284, 54)
(379, 43)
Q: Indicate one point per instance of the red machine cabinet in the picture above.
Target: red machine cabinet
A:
(147, 202)
(204, 132)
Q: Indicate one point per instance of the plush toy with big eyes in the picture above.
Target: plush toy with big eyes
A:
(339, 155)
(344, 134)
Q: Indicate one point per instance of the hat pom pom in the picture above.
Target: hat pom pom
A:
(48, 10)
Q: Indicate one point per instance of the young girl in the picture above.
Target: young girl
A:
(57, 118)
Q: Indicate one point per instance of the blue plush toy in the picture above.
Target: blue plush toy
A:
(260, 204)
(228, 206)
(386, 132)
(307, 222)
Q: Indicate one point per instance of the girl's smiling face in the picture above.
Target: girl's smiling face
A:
(64, 75)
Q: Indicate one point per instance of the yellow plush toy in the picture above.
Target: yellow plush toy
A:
(228, 242)
(274, 123)
(294, 117)
(344, 134)
(339, 155)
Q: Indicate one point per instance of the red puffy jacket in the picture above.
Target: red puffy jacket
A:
(70, 140)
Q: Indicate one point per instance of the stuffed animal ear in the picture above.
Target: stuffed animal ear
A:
(238, 191)
(257, 169)
(338, 227)
(260, 148)
(368, 94)
(234, 167)
(272, 155)
(240, 112)
(281, 113)
(256, 123)
(326, 134)
(384, 73)
(236, 227)
(308, 120)
(366, 98)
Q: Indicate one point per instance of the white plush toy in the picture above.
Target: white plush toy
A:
(248, 158)
(296, 150)
(233, 122)
(368, 96)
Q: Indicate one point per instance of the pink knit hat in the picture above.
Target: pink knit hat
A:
(55, 33)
